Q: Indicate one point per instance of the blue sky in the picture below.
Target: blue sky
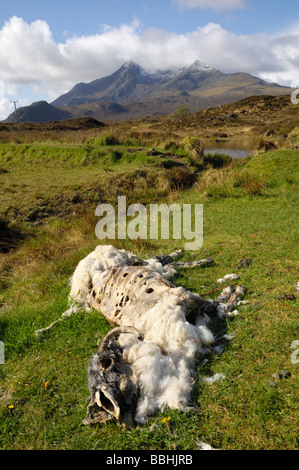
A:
(48, 47)
(77, 17)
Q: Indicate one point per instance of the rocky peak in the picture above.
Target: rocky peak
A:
(198, 66)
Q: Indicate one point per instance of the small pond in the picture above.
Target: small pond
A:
(234, 150)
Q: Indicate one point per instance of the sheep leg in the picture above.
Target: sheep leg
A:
(192, 264)
(71, 311)
(167, 259)
(170, 261)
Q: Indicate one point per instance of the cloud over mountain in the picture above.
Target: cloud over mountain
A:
(30, 56)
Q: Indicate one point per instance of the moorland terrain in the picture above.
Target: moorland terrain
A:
(52, 178)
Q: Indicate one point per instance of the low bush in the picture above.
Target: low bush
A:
(217, 160)
(253, 184)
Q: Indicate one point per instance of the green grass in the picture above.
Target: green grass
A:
(44, 180)
(250, 211)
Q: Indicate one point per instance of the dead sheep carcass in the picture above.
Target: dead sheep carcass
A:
(147, 362)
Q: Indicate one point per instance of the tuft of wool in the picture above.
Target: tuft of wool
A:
(164, 380)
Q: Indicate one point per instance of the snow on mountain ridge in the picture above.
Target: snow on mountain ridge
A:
(164, 75)
(198, 66)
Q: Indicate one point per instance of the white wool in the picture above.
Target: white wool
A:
(205, 335)
(203, 320)
(231, 277)
(166, 325)
(227, 291)
(165, 271)
(167, 380)
(233, 314)
(214, 378)
(221, 310)
(227, 277)
(164, 380)
(204, 446)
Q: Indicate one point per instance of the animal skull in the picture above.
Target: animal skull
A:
(113, 387)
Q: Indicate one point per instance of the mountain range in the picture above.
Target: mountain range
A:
(133, 92)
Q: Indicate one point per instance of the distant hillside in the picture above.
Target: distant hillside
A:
(273, 118)
(41, 111)
(133, 92)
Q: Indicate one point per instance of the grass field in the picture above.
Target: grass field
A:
(49, 195)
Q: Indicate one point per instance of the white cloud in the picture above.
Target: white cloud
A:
(218, 5)
(5, 108)
(32, 64)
